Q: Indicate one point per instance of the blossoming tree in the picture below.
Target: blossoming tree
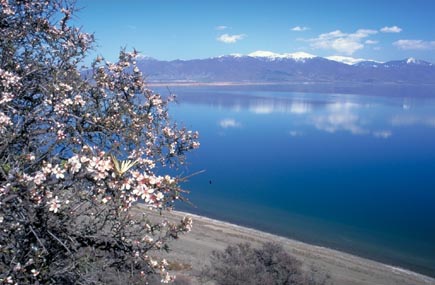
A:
(78, 149)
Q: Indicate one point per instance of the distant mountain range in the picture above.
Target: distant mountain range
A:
(268, 67)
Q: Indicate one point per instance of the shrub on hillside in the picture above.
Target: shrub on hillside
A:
(243, 264)
(76, 154)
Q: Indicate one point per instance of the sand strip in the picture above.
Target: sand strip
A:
(192, 250)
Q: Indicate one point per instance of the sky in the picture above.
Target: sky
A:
(379, 30)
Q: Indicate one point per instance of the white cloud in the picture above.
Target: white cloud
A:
(414, 44)
(230, 39)
(221, 28)
(299, 29)
(392, 29)
(229, 123)
(342, 42)
(371, 42)
(382, 134)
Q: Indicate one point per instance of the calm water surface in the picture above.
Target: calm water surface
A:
(354, 173)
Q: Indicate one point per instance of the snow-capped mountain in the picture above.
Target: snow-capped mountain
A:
(412, 60)
(407, 62)
(299, 67)
(347, 59)
(299, 56)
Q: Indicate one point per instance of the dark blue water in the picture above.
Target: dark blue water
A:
(350, 172)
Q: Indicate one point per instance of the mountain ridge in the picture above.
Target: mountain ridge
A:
(299, 67)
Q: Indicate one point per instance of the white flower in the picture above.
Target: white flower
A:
(153, 263)
(169, 179)
(31, 157)
(147, 239)
(34, 272)
(60, 135)
(167, 278)
(65, 87)
(126, 185)
(79, 100)
(168, 132)
(58, 172)
(47, 169)
(18, 267)
(155, 180)
(54, 205)
(159, 196)
(39, 178)
(68, 101)
(75, 164)
(195, 144)
(105, 200)
(5, 120)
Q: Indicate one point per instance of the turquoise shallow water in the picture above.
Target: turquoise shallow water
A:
(350, 172)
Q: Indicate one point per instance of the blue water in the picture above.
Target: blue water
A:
(350, 172)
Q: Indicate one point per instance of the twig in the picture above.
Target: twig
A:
(37, 238)
(183, 179)
(59, 241)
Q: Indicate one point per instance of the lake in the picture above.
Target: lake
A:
(350, 172)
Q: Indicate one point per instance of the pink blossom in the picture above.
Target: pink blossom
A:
(74, 163)
(39, 178)
(159, 196)
(54, 205)
(58, 172)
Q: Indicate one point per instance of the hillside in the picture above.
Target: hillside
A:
(267, 67)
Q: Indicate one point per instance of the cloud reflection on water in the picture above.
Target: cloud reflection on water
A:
(331, 113)
(229, 123)
(268, 106)
(334, 122)
(412, 120)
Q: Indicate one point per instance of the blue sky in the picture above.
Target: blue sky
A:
(186, 29)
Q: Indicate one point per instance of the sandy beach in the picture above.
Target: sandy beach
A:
(191, 251)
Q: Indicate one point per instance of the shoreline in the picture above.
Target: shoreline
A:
(336, 267)
(281, 83)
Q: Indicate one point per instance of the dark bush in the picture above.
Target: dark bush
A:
(243, 264)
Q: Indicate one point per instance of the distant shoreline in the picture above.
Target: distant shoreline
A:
(285, 83)
(208, 234)
(390, 89)
(192, 84)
